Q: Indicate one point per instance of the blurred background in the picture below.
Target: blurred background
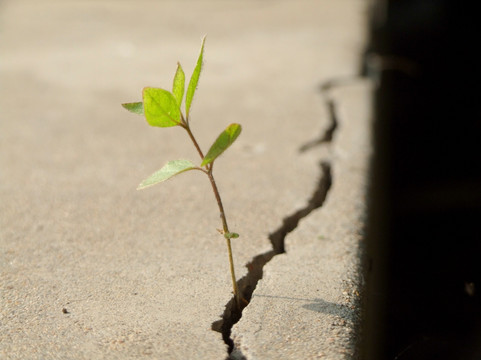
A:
(425, 243)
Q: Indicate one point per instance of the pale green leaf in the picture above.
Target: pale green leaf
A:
(179, 85)
(231, 235)
(160, 107)
(170, 169)
(194, 80)
(136, 107)
(225, 139)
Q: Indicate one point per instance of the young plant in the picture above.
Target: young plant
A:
(162, 108)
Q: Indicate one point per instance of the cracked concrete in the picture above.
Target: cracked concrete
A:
(307, 304)
(248, 283)
(91, 268)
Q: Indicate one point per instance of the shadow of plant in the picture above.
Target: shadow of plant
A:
(317, 305)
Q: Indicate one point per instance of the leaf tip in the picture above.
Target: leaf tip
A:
(136, 107)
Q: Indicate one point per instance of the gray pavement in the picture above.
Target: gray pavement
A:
(307, 305)
(90, 268)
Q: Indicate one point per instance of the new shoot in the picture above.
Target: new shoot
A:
(162, 108)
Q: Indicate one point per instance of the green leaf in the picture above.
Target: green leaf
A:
(231, 235)
(179, 85)
(194, 79)
(160, 107)
(225, 139)
(170, 169)
(136, 107)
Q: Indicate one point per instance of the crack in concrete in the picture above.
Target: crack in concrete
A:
(248, 283)
(317, 199)
(255, 267)
(327, 134)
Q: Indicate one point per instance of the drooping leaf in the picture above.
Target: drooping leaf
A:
(223, 141)
(194, 79)
(179, 85)
(135, 107)
(170, 169)
(160, 107)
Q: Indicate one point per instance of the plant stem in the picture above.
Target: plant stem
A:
(225, 227)
(187, 128)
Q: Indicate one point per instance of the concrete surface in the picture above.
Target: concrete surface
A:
(91, 268)
(307, 305)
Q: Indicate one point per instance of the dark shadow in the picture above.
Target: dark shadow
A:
(424, 244)
(326, 307)
(316, 304)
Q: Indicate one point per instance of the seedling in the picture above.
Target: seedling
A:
(162, 108)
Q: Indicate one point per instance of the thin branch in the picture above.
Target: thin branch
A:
(227, 238)
(225, 227)
(187, 128)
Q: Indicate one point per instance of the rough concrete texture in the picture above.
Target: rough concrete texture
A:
(307, 305)
(91, 268)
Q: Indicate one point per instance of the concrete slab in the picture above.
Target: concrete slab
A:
(92, 269)
(307, 305)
